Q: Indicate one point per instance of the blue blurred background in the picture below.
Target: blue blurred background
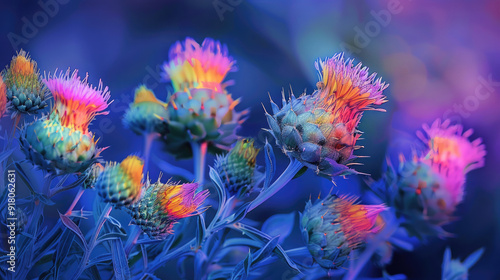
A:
(441, 59)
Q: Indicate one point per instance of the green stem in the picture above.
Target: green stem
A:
(199, 156)
(132, 239)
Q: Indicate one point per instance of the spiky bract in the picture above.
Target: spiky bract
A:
(163, 205)
(146, 114)
(237, 168)
(334, 226)
(121, 184)
(200, 110)
(25, 91)
(320, 129)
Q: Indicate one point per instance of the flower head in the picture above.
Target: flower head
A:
(237, 168)
(56, 148)
(61, 142)
(193, 66)
(427, 188)
(181, 200)
(320, 130)
(200, 110)
(25, 91)
(163, 205)
(121, 184)
(449, 147)
(146, 113)
(334, 226)
(76, 103)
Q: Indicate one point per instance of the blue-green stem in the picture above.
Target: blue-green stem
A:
(293, 167)
(132, 239)
(199, 156)
(148, 144)
(93, 240)
(371, 247)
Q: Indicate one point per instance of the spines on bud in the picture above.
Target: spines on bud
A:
(25, 91)
(163, 205)
(320, 130)
(237, 168)
(334, 226)
(146, 114)
(121, 184)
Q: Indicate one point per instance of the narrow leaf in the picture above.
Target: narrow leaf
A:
(270, 164)
(200, 231)
(74, 228)
(120, 263)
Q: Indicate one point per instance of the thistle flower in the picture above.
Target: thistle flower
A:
(320, 130)
(3, 97)
(91, 175)
(145, 115)
(451, 153)
(61, 142)
(237, 168)
(121, 184)
(163, 205)
(427, 189)
(200, 109)
(25, 90)
(334, 226)
(454, 269)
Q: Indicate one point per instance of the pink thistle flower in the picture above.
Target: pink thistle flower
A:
(76, 103)
(195, 66)
(450, 147)
(452, 155)
(181, 201)
(334, 226)
(347, 90)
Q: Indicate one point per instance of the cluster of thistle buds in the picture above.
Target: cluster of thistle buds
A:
(427, 189)
(200, 110)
